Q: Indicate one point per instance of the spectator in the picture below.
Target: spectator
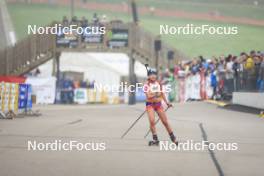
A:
(237, 73)
(261, 76)
(249, 72)
(214, 84)
(225, 74)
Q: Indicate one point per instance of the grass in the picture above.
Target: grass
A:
(250, 37)
(235, 8)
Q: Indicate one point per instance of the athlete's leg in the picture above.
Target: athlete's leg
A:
(164, 120)
(151, 116)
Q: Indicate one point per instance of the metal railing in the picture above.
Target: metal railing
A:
(248, 80)
(26, 54)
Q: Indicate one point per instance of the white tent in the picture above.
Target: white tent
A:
(104, 68)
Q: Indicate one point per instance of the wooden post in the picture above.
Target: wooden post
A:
(57, 55)
(157, 48)
(57, 59)
(72, 8)
(132, 80)
(6, 65)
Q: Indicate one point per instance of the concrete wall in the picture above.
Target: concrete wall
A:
(250, 99)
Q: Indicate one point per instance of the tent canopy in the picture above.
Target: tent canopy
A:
(105, 68)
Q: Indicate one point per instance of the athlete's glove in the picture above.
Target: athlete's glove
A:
(169, 105)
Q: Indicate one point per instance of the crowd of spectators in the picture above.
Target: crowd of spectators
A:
(228, 73)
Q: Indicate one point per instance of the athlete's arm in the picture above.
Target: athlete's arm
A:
(165, 99)
(163, 96)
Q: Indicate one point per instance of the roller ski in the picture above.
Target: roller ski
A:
(173, 138)
(153, 143)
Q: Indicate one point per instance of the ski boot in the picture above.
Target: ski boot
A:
(173, 139)
(154, 142)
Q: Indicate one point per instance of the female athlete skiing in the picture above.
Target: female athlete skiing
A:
(154, 97)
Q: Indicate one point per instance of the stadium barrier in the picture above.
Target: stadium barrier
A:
(248, 81)
(84, 96)
(192, 87)
(15, 98)
(200, 86)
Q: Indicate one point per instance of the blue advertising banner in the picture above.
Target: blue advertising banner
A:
(22, 97)
(29, 95)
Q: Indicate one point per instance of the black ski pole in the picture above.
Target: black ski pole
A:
(132, 125)
(147, 68)
(157, 121)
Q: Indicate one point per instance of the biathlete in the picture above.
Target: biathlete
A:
(154, 97)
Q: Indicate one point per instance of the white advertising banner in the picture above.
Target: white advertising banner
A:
(81, 96)
(209, 88)
(196, 87)
(43, 88)
(188, 88)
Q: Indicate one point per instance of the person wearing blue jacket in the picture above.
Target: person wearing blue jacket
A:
(214, 83)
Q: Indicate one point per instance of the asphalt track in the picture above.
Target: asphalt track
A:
(195, 121)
